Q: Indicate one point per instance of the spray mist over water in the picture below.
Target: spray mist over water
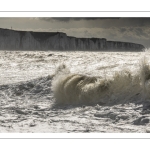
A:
(122, 87)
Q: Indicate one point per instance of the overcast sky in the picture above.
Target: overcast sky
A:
(136, 30)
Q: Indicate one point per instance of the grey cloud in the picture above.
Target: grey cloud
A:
(67, 19)
(107, 21)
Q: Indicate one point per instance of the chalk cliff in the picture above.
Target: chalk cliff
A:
(27, 40)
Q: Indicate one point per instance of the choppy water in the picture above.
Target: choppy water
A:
(79, 83)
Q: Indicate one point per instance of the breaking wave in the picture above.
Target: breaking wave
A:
(122, 87)
(145, 78)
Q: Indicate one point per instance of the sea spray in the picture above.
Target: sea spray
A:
(144, 74)
(76, 89)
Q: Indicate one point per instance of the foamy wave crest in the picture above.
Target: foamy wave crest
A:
(145, 78)
(123, 87)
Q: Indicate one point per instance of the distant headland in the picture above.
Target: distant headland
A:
(28, 40)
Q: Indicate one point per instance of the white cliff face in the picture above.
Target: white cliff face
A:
(123, 46)
(29, 43)
(25, 40)
(9, 39)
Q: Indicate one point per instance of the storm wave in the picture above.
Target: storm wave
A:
(122, 87)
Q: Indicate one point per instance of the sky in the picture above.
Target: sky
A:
(135, 30)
